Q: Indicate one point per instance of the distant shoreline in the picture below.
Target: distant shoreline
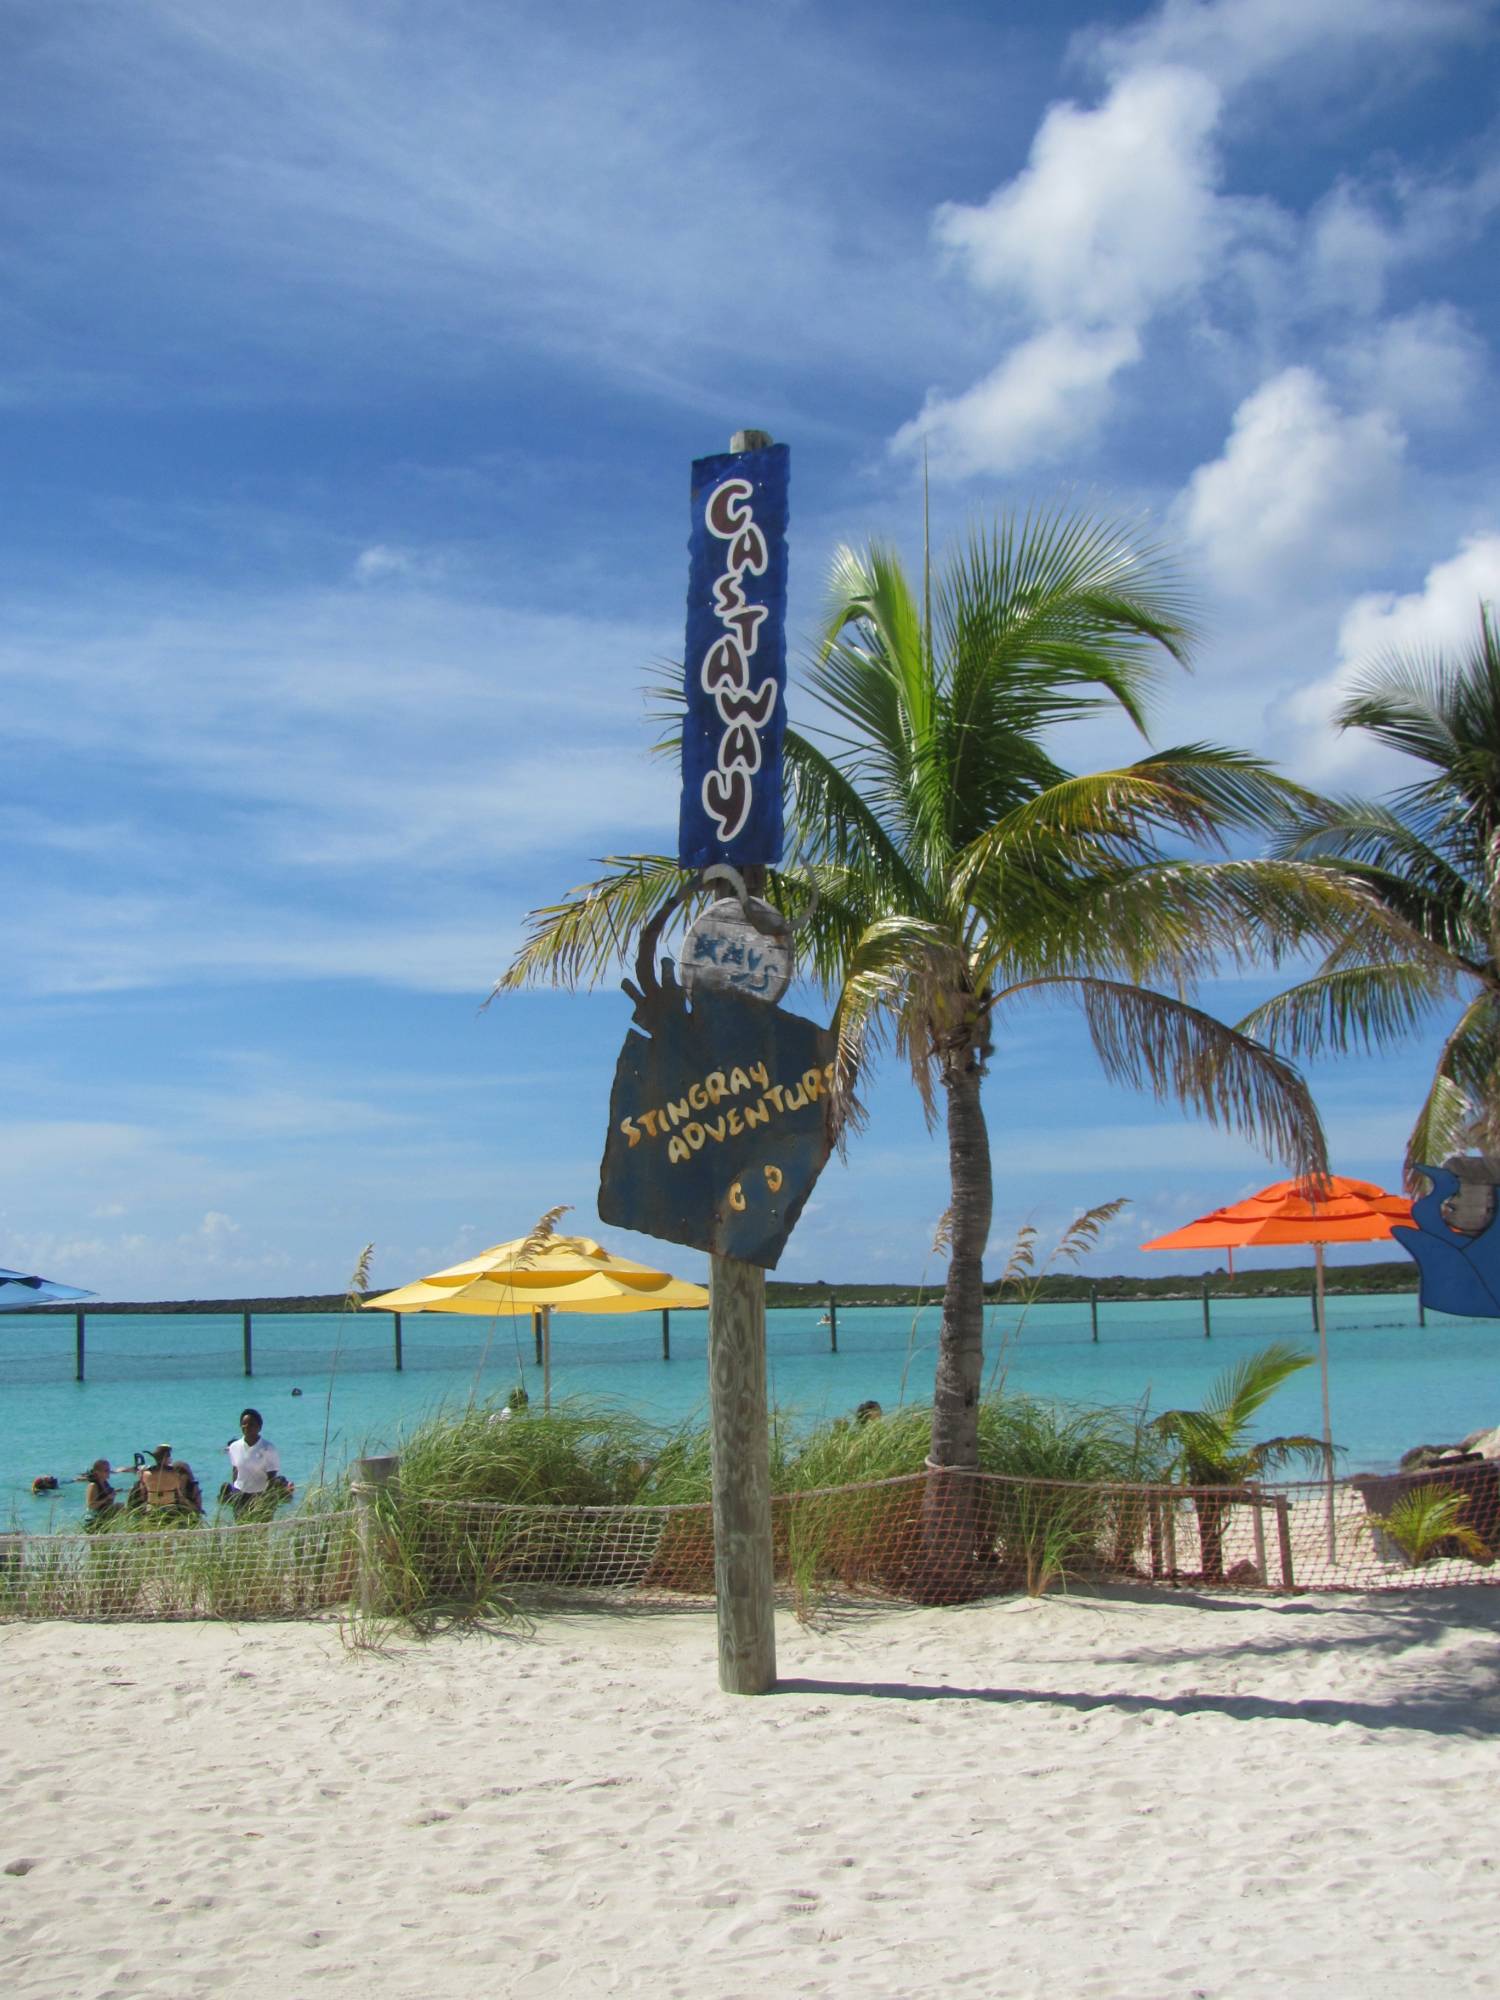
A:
(1293, 1281)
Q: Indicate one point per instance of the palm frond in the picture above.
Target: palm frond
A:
(1154, 1042)
(1360, 1007)
(834, 821)
(1463, 1105)
(1175, 921)
(1300, 1449)
(1439, 1131)
(578, 941)
(1247, 1385)
(1212, 1448)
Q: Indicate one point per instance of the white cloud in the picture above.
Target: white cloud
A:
(378, 561)
(1349, 251)
(1300, 488)
(1235, 41)
(1118, 218)
(557, 179)
(85, 944)
(1048, 394)
(1366, 231)
(1441, 617)
(1428, 366)
(1114, 214)
(1113, 218)
(380, 728)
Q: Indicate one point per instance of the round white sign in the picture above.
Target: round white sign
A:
(724, 950)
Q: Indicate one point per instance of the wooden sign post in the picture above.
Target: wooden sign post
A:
(721, 1118)
(744, 1581)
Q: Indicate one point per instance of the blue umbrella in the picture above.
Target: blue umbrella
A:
(18, 1290)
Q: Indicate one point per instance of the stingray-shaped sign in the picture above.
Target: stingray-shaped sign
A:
(1459, 1270)
(721, 1117)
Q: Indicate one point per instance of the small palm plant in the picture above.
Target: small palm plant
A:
(1424, 1524)
(1211, 1447)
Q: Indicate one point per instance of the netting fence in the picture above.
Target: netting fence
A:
(288, 1568)
(924, 1538)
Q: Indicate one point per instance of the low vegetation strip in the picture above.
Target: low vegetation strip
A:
(915, 1537)
(290, 1568)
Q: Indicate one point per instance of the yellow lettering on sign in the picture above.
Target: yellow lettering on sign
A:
(736, 1123)
(679, 1112)
(757, 1114)
(761, 1074)
(739, 1083)
(773, 1179)
(697, 1097)
(737, 1198)
(631, 1130)
(716, 1086)
(678, 1149)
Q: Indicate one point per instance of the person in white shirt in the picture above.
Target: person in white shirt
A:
(256, 1467)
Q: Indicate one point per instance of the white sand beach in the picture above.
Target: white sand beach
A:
(1132, 1797)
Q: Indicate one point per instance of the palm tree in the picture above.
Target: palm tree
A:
(1429, 860)
(959, 869)
(1211, 1447)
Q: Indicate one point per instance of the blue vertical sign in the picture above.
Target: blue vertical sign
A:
(735, 669)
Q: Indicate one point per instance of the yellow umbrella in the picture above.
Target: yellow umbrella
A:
(531, 1274)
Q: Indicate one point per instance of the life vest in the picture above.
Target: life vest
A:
(164, 1486)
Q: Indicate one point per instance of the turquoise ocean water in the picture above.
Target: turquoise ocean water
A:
(178, 1379)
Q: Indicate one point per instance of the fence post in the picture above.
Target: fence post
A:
(78, 1347)
(536, 1328)
(396, 1318)
(245, 1338)
(1153, 1531)
(1207, 1322)
(1259, 1526)
(833, 1324)
(1169, 1534)
(1094, 1309)
(1421, 1311)
(1284, 1537)
(666, 1334)
(372, 1476)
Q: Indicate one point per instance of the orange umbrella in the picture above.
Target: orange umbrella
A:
(1335, 1210)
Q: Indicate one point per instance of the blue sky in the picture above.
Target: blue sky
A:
(352, 358)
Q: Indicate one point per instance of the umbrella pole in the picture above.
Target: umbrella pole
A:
(1327, 1420)
(546, 1357)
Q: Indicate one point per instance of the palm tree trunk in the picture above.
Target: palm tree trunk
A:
(956, 1533)
(1211, 1510)
(960, 1363)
